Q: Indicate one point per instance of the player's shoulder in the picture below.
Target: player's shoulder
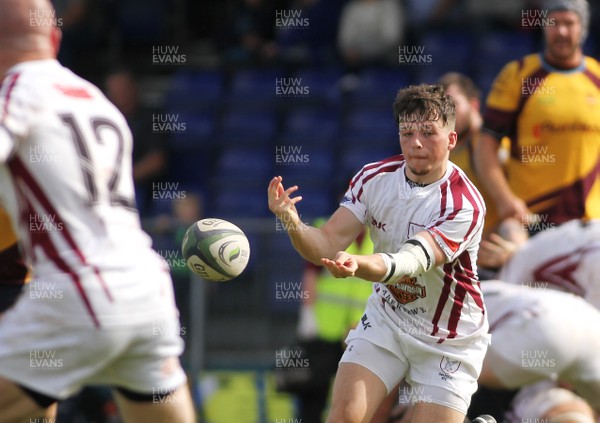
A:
(522, 67)
(592, 65)
(374, 170)
(460, 184)
(45, 80)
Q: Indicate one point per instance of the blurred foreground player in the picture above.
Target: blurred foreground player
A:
(425, 321)
(542, 334)
(106, 314)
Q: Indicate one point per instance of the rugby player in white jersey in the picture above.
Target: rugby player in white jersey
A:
(543, 334)
(566, 257)
(100, 306)
(425, 321)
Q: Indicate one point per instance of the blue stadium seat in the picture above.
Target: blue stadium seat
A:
(142, 21)
(240, 203)
(495, 49)
(194, 91)
(375, 127)
(256, 128)
(311, 126)
(377, 88)
(449, 50)
(192, 130)
(322, 85)
(252, 89)
(353, 159)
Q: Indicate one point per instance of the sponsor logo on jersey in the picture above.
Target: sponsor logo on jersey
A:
(407, 290)
(377, 224)
(365, 322)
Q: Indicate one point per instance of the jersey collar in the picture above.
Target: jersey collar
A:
(548, 67)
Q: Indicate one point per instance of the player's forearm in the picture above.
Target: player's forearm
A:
(489, 170)
(370, 268)
(310, 242)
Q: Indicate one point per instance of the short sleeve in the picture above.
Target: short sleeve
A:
(14, 115)
(353, 198)
(503, 101)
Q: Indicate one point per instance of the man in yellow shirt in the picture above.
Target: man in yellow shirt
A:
(548, 104)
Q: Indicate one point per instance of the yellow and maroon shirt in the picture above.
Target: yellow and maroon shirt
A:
(12, 268)
(552, 117)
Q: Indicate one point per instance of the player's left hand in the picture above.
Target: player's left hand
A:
(495, 252)
(342, 266)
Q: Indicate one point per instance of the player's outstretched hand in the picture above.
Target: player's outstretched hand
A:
(342, 266)
(495, 251)
(280, 202)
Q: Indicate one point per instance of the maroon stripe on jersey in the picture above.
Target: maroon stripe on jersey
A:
(594, 78)
(459, 187)
(381, 167)
(443, 197)
(20, 173)
(11, 84)
(476, 201)
(471, 282)
(560, 270)
(465, 277)
(460, 293)
(529, 86)
(456, 208)
(456, 199)
(356, 178)
(444, 295)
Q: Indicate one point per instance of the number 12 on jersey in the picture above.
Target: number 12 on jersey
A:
(89, 167)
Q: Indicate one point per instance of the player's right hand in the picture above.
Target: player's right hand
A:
(281, 204)
(513, 207)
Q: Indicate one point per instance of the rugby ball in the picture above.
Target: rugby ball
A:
(215, 249)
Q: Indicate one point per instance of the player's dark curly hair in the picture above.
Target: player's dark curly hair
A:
(424, 102)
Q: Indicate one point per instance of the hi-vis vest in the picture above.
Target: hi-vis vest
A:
(340, 303)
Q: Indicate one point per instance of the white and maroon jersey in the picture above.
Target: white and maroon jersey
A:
(445, 302)
(65, 153)
(566, 257)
